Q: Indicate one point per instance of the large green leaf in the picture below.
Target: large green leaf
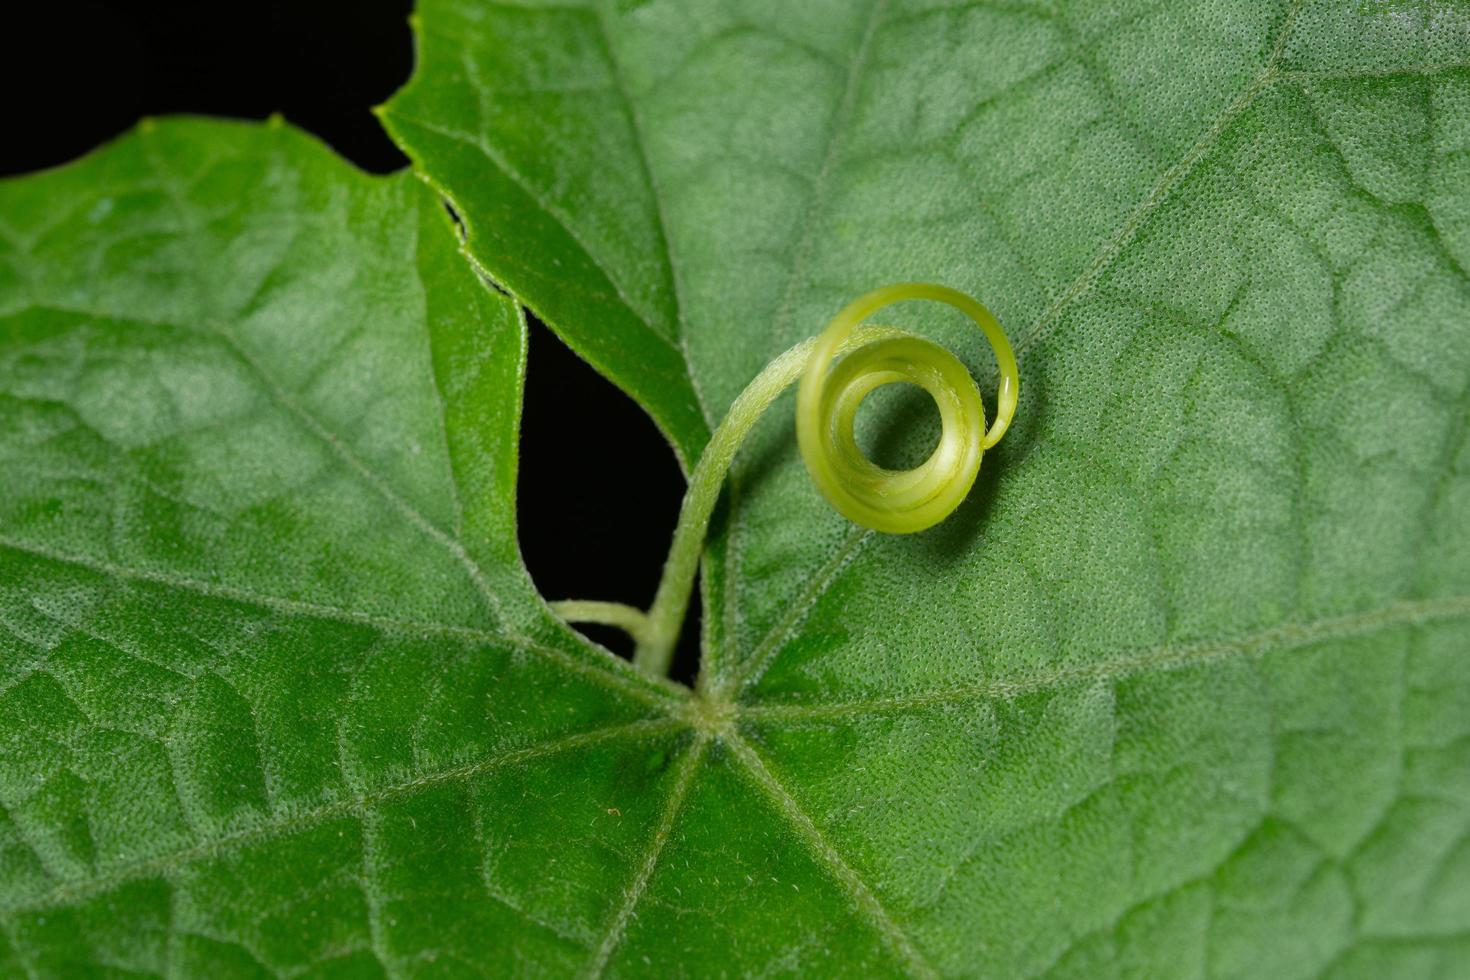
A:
(276, 695)
(1184, 688)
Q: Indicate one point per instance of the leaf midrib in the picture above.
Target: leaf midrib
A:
(617, 927)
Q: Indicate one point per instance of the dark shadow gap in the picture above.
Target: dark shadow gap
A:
(102, 66)
(599, 493)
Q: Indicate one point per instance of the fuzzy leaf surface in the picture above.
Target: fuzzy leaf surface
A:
(276, 695)
(1183, 689)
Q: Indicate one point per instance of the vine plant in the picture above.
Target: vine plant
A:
(893, 501)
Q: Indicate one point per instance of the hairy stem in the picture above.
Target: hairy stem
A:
(631, 620)
(666, 616)
(898, 502)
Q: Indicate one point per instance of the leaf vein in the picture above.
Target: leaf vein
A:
(1275, 639)
(616, 674)
(349, 806)
(848, 879)
(617, 929)
(817, 586)
(1115, 244)
(499, 163)
(620, 85)
(347, 456)
(804, 245)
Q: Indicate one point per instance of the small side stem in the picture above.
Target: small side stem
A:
(632, 621)
(666, 616)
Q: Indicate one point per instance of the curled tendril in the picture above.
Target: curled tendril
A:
(903, 501)
(894, 501)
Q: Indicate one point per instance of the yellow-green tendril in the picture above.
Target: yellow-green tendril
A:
(895, 501)
(899, 501)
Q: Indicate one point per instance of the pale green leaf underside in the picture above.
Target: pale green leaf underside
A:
(1182, 691)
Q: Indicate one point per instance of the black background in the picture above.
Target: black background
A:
(75, 74)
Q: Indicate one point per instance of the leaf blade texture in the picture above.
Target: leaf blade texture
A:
(265, 621)
(1225, 240)
(1180, 691)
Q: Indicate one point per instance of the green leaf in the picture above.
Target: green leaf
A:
(1182, 688)
(276, 694)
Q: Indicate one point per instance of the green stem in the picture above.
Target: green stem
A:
(631, 620)
(666, 616)
(898, 502)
